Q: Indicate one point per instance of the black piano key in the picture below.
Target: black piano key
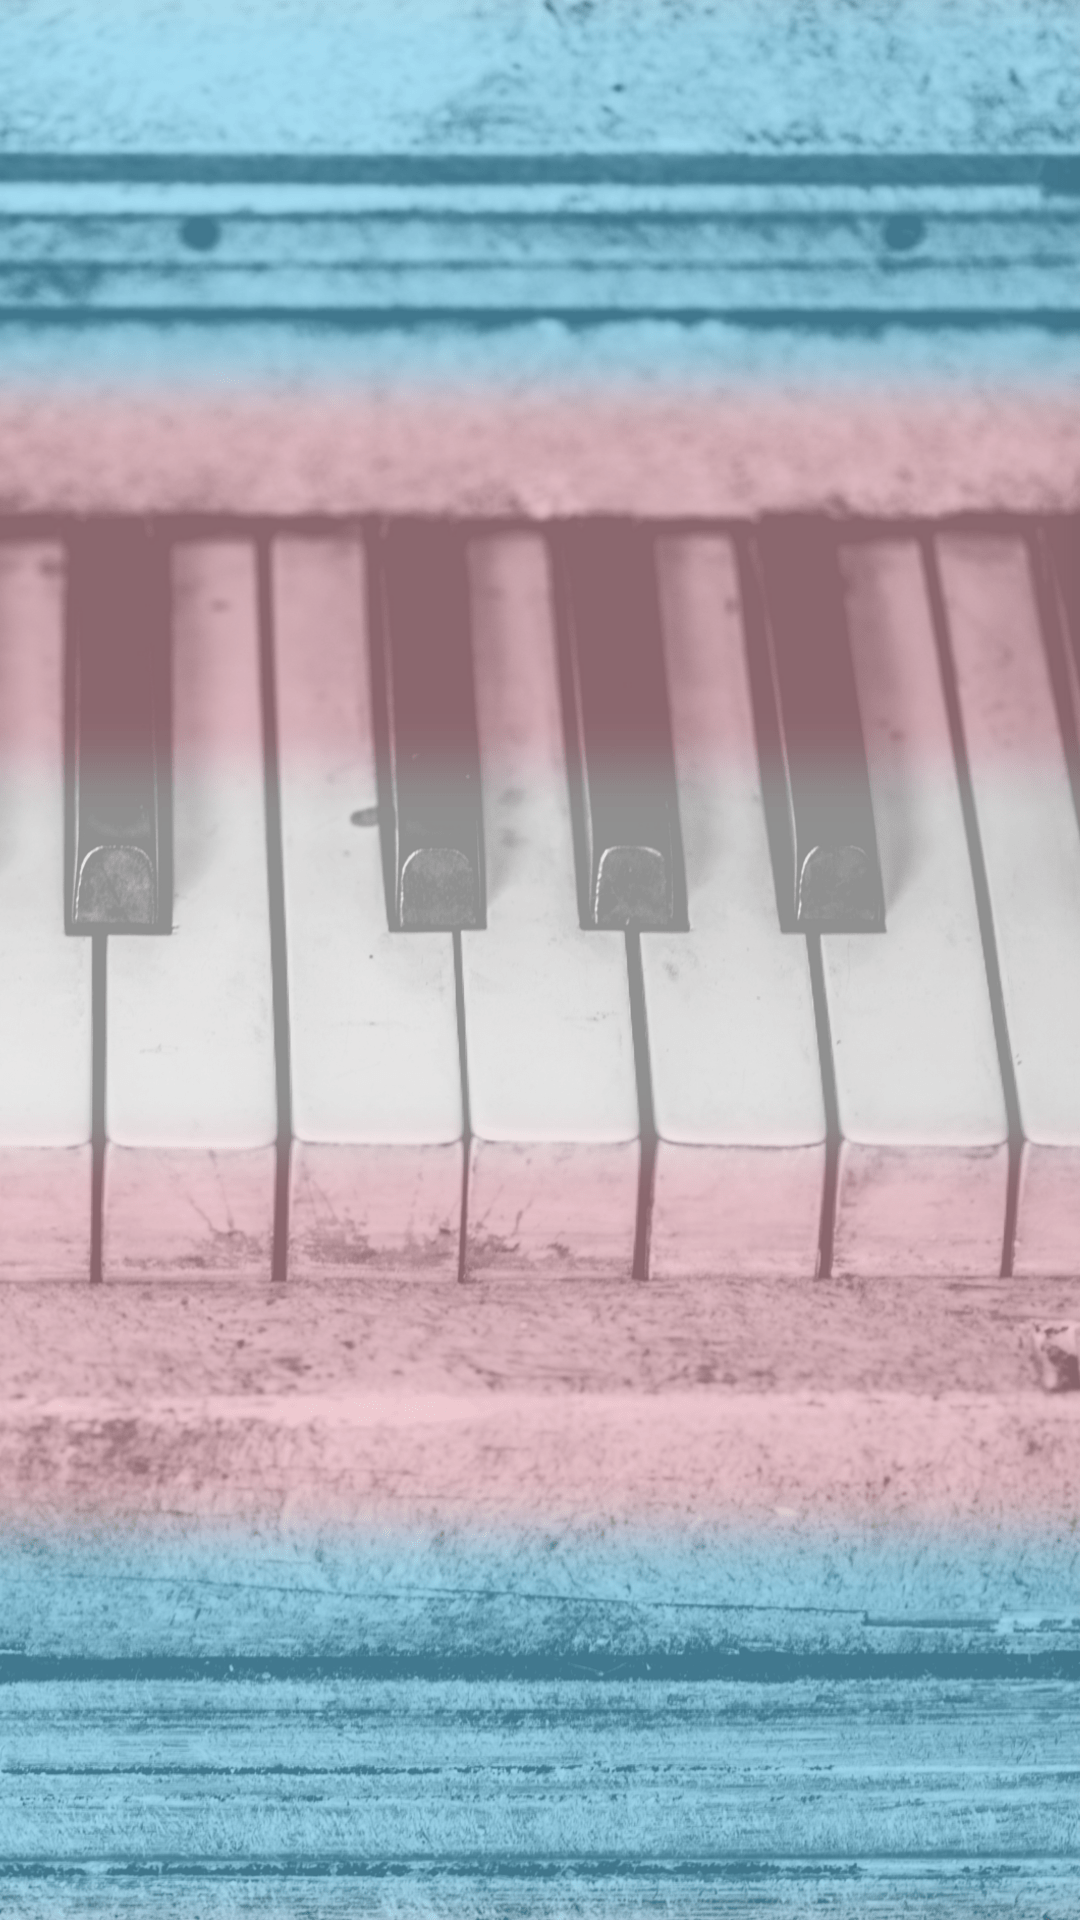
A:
(1061, 547)
(422, 616)
(829, 878)
(118, 613)
(618, 727)
(1055, 554)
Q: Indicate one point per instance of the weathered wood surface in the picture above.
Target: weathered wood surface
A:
(566, 1796)
(659, 417)
(784, 1890)
(190, 1469)
(170, 1342)
(397, 1598)
(563, 75)
(649, 1773)
(650, 204)
(626, 1402)
(583, 248)
(774, 1601)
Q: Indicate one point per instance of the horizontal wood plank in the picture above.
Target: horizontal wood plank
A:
(785, 1890)
(590, 249)
(642, 1773)
(672, 1798)
(343, 1404)
(153, 1346)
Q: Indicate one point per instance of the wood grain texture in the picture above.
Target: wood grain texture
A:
(169, 1342)
(916, 1335)
(660, 1406)
(465, 1600)
(646, 1774)
(524, 1461)
(566, 1797)
(580, 246)
(785, 1890)
(779, 1602)
(885, 1449)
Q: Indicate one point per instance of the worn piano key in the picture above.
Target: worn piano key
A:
(118, 634)
(191, 1109)
(629, 859)
(421, 613)
(553, 1174)
(830, 877)
(923, 1158)
(378, 1154)
(45, 987)
(1061, 540)
(1031, 853)
(736, 1079)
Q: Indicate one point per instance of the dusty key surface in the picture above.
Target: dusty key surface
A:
(1031, 849)
(923, 1154)
(554, 1158)
(45, 1012)
(191, 1110)
(377, 1156)
(732, 1039)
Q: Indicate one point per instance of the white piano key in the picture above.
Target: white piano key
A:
(736, 1077)
(554, 1157)
(1031, 850)
(923, 1163)
(378, 1154)
(190, 1086)
(45, 1037)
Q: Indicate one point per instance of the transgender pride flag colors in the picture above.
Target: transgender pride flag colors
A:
(528, 1415)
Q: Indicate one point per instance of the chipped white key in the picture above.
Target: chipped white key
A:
(1031, 851)
(736, 1078)
(378, 1156)
(191, 1112)
(923, 1162)
(45, 1045)
(554, 1158)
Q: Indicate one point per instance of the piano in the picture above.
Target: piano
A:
(539, 911)
(477, 1041)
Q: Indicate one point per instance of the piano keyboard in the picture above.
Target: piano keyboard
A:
(392, 1002)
